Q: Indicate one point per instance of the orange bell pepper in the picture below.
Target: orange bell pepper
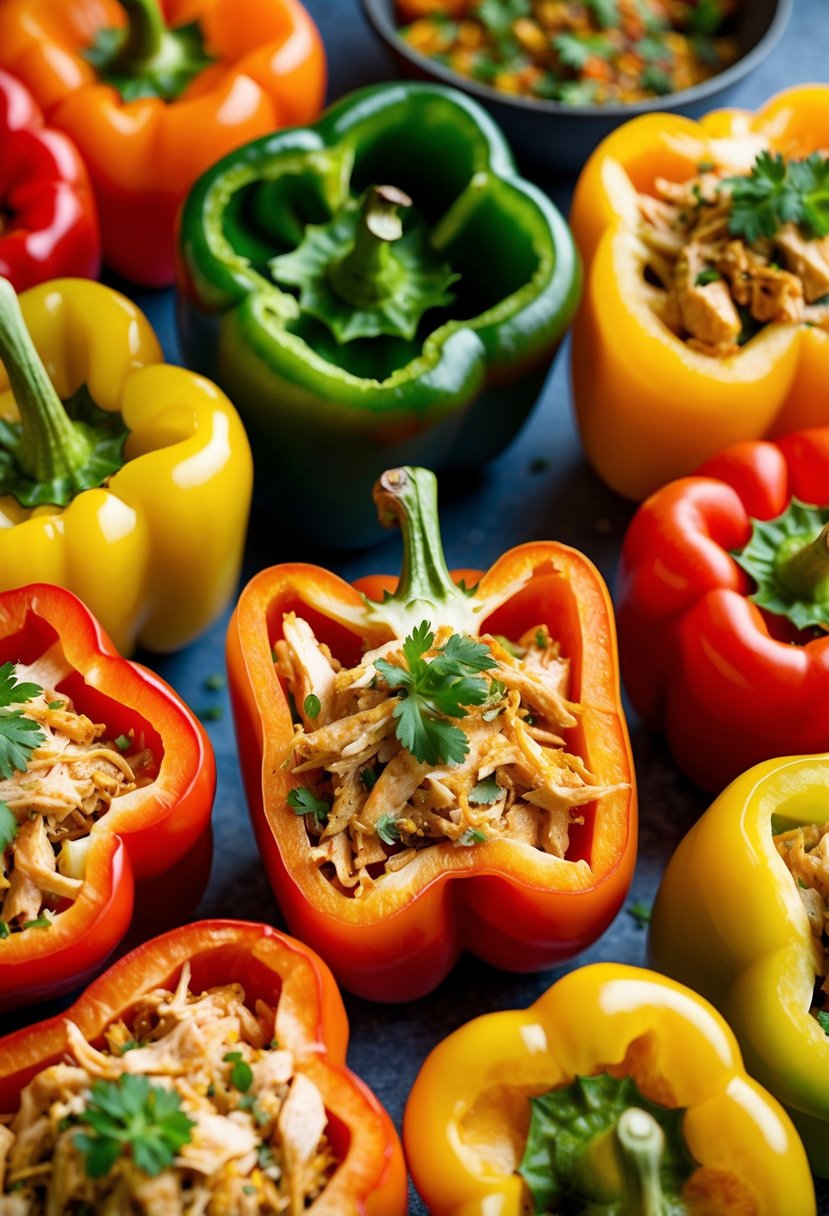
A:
(650, 408)
(144, 132)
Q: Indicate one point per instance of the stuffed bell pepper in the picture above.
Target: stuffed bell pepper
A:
(380, 289)
(154, 91)
(106, 787)
(120, 478)
(619, 1092)
(723, 605)
(705, 317)
(49, 221)
(741, 916)
(203, 1072)
(432, 766)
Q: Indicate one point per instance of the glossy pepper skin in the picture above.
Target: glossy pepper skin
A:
(728, 920)
(466, 1120)
(267, 70)
(370, 1179)
(650, 409)
(522, 911)
(700, 660)
(150, 856)
(50, 223)
(156, 552)
(326, 418)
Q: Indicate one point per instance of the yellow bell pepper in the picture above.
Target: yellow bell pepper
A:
(649, 407)
(146, 527)
(729, 921)
(474, 1109)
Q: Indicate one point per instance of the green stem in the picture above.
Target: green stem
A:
(146, 30)
(640, 1142)
(368, 273)
(802, 569)
(49, 446)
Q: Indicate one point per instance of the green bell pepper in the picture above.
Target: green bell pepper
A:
(353, 338)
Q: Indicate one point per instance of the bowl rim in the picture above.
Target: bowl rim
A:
(377, 13)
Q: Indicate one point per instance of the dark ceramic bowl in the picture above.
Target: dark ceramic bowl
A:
(561, 137)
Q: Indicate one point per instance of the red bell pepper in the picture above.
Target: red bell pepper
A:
(153, 850)
(723, 605)
(370, 1179)
(511, 904)
(49, 225)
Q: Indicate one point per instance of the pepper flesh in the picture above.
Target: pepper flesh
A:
(50, 224)
(750, 950)
(157, 846)
(370, 1179)
(144, 155)
(156, 552)
(649, 408)
(515, 907)
(701, 661)
(466, 1119)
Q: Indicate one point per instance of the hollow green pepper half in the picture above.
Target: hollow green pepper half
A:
(379, 289)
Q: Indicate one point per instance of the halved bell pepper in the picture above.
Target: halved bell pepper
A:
(150, 854)
(724, 611)
(154, 91)
(729, 921)
(370, 1178)
(353, 339)
(649, 407)
(511, 904)
(617, 1091)
(120, 478)
(50, 224)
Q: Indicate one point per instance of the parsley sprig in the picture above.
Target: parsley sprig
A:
(8, 826)
(19, 736)
(778, 192)
(133, 1115)
(432, 691)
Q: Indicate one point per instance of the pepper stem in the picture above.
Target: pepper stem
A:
(802, 569)
(49, 446)
(640, 1142)
(368, 273)
(146, 30)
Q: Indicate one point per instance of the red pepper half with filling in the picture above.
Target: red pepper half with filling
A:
(106, 788)
(48, 218)
(255, 1112)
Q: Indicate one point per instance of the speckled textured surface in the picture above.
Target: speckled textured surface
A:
(511, 501)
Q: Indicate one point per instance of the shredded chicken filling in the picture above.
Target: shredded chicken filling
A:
(805, 851)
(714, 290)
(383, 806)
(258, 1150)
(70, 782)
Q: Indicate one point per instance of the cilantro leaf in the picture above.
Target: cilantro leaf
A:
(19, 736)
(132, 1115)
(241, 1074)
(576, 52)
(472, 836)
(303, 802)
(387, 829)
(709, 275)
(12, 691)
(823, 1021)
(485, 792)
(777, 192)
(436, 690)
(8, 826)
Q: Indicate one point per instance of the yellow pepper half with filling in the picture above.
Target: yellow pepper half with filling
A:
(650, 407)
(123, 479)
(569, 1092)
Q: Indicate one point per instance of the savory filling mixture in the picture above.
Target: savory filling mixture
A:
(58, 775)
(805, 851)
(192, 1109)
(598, 51)
(441, 738)
(731, 254)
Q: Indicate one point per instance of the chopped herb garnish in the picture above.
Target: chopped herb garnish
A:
(576, 52)
(653, 50)
(248, 1102)
(303, 802)
(657, 80)
(264, 1156)
(485, 792)
(19, 736)
(823, 1021)
(706, 166)
(709, 275)
(368, 778)
(706, 17)
(472, 836)
(4, 929)
(387, 829)
(123, 743)
(132, 1116)
(312, 705)
(606, 12)
(131, 1045)
(542, 639)
(43, 922)
(56, 704)
(8, 826)
(779, 192)
(512, 648)
(241, 1074)
(215, 682)
(211, 713)
(641, 913)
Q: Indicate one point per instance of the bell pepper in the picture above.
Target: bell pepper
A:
(50, 225)
(353, 338)
(126, 481)
(723, 608)
(649, 407)
(514, 906)
(151, 854)
(618, 1092)
(370, 1179)
(729, 921)
(152, 92)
